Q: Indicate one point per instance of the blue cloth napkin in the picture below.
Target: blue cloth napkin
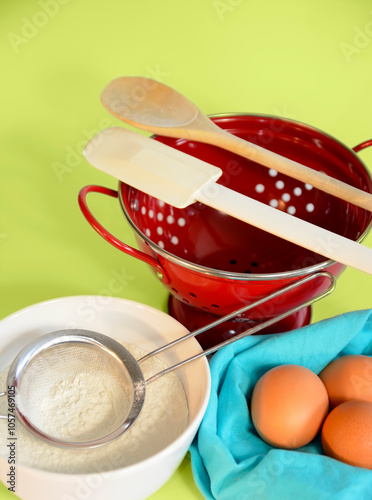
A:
(230, 461)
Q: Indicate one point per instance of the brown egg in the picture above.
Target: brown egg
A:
(347, 433)
(289, 404)
(348, 377)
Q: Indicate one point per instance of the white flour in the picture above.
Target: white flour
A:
(163, 418)
(75, 397)
(79, 406)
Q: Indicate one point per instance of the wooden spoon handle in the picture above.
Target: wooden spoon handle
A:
(219, 137)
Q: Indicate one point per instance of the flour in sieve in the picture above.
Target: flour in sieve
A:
(83, 405)
(163, 419)
(87, 394)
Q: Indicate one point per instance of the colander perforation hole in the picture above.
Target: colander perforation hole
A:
(186, 301)
(193, 295)
(205, 308)
(232, 261)
(174, 290)
(215, 306)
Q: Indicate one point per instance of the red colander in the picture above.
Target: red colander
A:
(213, 264)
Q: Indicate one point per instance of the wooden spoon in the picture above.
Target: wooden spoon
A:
(153, 106)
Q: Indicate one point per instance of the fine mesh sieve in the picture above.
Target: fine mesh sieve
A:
(58, 371)
(47, 368)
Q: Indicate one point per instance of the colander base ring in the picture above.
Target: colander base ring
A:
(193, 318)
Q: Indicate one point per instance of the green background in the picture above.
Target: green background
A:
(310, 61)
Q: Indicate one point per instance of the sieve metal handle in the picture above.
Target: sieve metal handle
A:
(110, 238)
(248, 332)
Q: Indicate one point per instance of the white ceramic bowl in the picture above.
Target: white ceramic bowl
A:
(130, 322)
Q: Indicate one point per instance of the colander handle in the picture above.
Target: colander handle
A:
(97, 226)
(362, 145)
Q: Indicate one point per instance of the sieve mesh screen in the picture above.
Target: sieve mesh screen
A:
(75, 392)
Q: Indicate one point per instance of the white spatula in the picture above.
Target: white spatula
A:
(180, 180)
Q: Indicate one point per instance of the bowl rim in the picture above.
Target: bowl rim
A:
(217, 273)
